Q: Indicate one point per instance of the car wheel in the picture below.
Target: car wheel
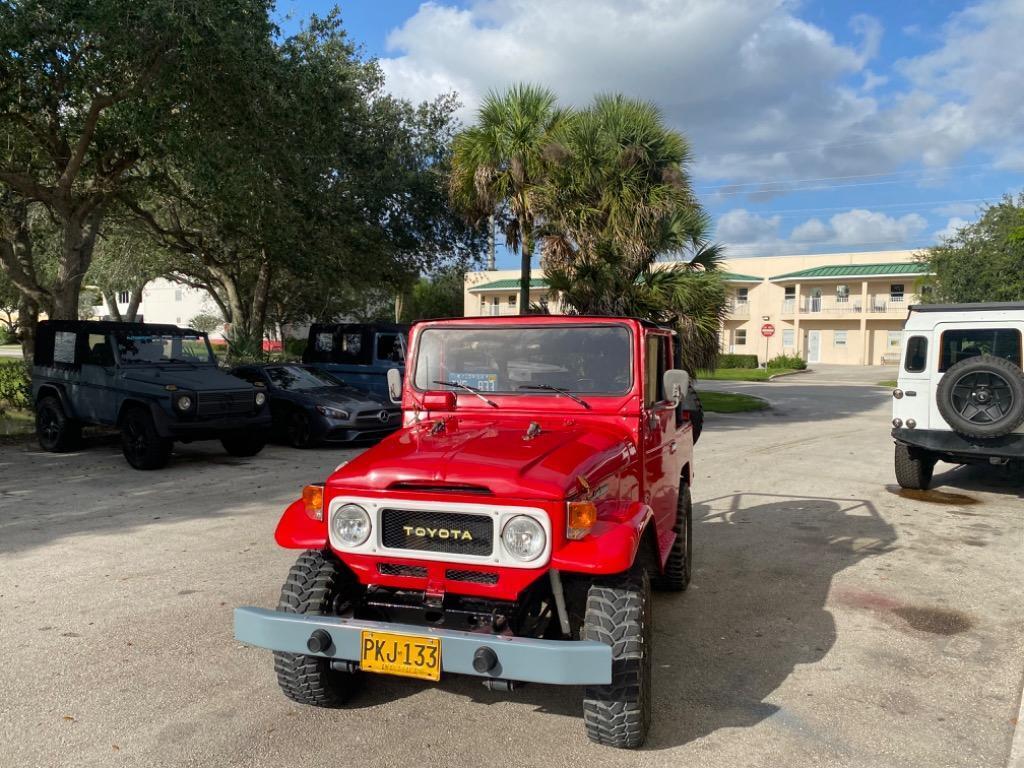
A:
(317, 585)
(298, 430)
(141, 443)
(244, 444)
(619, 614)
(914, 468)
(676, 577)
(982, 397)
(55, 431)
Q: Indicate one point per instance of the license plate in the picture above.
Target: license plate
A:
(406, 655)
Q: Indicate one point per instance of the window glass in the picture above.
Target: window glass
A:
(249, 374)
(842, 292)
(142, 348)
(389, 347)
(98, 350)
(511, 301)
(788, 337)
(654, 372)
(295, 377)
(122, 297)
(917, 354)
(740, 337)
(896, 291)
(64, 347)
(965, 343)
(742, 294)
(839, 338)
(579, 358)
(893, 340)
(324, 341)
(790, 291)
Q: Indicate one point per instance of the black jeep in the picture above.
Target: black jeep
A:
(157, 383)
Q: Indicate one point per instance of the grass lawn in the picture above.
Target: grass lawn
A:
(891, 383)
(727, 402)
(15, 421)
(741, 374)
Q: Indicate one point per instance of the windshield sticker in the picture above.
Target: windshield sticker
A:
(64, 347)
(485, 382)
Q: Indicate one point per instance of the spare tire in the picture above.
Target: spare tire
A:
(982, 397)
(693, 405)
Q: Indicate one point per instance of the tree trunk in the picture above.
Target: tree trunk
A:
(134, 302)
(28, 318)
(77, 242)
(110, 299)
(524, 276)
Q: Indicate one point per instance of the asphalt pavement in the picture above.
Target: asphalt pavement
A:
(831, 621)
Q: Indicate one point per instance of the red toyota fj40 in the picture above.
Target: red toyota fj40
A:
(512, 529)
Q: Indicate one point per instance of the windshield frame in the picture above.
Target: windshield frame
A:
(411, 370)
(116, 336)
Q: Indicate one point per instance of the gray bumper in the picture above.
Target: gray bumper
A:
(559, 662)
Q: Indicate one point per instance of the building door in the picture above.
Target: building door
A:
(814, 346)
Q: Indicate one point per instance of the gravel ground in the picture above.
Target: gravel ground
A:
(831, 621)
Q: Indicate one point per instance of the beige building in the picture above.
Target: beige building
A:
(845, 308)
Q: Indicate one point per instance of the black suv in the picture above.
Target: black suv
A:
(156, 383)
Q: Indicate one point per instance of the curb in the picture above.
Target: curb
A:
(791, 373)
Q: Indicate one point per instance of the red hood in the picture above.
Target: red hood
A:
(493, 454)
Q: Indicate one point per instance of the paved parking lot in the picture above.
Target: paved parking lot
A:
(831, 622)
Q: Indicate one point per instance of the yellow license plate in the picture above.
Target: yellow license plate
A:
(406, 655)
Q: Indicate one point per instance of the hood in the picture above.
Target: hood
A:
(199, 378)
(346, 397)
(490, 454)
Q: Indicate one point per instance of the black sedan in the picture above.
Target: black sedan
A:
(309, 406)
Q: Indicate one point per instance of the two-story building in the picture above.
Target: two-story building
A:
(845, 308)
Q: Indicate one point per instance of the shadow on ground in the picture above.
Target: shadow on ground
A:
(793, 404)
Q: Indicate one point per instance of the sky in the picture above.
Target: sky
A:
(815, 127)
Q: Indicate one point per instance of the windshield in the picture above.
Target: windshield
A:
(294, 377)
(576, 358)
(163, 348)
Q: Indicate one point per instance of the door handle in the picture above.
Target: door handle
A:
(672, 447)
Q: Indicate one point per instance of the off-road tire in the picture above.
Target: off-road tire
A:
(316, 585)
(141, 444)
(297, 429)
(693, 404)
(676, 577)
(1002, 416)
(914, 468)
(244, 444)
(55, 431)
(619, 614)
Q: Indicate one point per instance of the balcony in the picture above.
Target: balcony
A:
(738, 310)
(886, 305)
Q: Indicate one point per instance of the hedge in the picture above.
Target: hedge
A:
(15, 385)
(795, 362)
(736, 361)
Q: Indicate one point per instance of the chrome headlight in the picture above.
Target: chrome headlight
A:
(261, 398)
(332, 413)
(523, 538)
(183, 403)
(350, 525)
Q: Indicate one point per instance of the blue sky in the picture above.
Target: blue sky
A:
(815, 126)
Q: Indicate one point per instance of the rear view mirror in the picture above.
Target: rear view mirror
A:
(677, 384)
(395, 385)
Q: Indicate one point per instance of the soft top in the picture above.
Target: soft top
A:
(113, 326)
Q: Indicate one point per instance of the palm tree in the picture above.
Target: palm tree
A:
(498, 164)
(616, 202)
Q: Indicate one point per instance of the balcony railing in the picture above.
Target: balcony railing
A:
(877, 304)
(739, 308)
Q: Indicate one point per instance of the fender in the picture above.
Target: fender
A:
(297, 530)
(160, 418)
(58, 391)
(611, 546)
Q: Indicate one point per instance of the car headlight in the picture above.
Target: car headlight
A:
(350, 524)
(332, 413)
(261, 398)
(523, 538)
(183, 403)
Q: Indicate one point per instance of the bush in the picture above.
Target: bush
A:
(15, 385)
(736, 361)
(293, 348)
(6, 337)
(795, 362)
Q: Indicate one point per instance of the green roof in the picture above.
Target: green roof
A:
(855, 270)
(509, 284)
(733, 277)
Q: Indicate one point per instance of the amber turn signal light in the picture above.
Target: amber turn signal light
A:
(581, 518)
(313, 501)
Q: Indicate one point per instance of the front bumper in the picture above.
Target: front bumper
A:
(212, 429)
(558, 662)
(950, 443)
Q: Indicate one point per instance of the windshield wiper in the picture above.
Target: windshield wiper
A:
(468, 388)
(559, 390)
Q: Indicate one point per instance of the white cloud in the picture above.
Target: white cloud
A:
(954, 223)
(762, 93)
(741, 226)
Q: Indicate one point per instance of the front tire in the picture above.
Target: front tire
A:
(619, 614)
(244, 445)
(298, 430)
(914, 468)
(676, 577)
(141, 443)
(55, 431)
(317, 585)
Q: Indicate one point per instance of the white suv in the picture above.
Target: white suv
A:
(960, 395)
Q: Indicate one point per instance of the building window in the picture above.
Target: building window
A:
(790, 292)
(739, 337)
(511, 301)
(122, 297)
(839, 338)
(742, 295)
(177, 294)
(896, 291)
(788, 338)
(842, 293)
(893, 340)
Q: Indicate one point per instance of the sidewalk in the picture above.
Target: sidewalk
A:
(10, 350)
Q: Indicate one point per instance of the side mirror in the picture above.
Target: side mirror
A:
(395, 385)
(677, 384)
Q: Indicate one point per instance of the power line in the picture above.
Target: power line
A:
(931, 169)
(885, 206)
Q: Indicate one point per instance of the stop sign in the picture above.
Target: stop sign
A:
(767, 330)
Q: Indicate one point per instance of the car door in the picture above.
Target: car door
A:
(661, 471)
(97, 393)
